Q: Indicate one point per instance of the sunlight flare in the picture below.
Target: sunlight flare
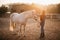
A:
(43, 2)
(11, 28)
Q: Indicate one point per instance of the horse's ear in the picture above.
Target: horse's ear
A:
(34, 10)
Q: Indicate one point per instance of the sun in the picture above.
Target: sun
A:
(47, 2)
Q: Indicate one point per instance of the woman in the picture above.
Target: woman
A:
(42, 18)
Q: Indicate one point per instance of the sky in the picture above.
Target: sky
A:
(43, 2)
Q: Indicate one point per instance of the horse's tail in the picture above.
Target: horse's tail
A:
(11, 22)
(11, 16)
(11, 25)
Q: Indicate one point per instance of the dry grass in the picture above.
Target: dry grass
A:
(32, 32)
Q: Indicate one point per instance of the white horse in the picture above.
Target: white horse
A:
(21, 19)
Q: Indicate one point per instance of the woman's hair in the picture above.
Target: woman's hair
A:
(42, 16)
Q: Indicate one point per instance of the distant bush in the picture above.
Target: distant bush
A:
(53, 8)
(3, 9)
(22, 7)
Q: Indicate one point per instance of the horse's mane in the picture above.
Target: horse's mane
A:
(28, 11)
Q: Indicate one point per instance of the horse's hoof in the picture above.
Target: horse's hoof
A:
(14, 34)
(19, 36)
(24, 36)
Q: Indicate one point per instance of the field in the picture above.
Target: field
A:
(32, 32)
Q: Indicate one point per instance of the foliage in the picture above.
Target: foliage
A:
(58, 8)
(21, 7)
(3, 9)
(53, 8)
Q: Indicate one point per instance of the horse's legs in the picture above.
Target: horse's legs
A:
(19, 32)
(14, 25)
(20, 28)
(24, 29)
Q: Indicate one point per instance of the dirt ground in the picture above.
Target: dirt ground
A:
(32, 31)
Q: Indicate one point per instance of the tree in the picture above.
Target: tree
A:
(58, 8)
(3, 9)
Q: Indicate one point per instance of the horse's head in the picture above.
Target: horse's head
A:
(31, 14)
(36, 15)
